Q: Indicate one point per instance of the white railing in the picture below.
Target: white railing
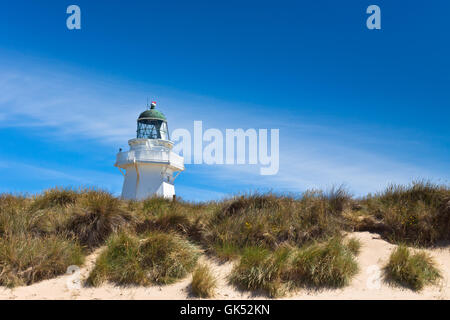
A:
(176, 160)
(168, 157)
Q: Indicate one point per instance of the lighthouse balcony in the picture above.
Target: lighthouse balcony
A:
(169, 158)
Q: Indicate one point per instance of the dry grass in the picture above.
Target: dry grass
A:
(417, 214)
(268, 221)
(42, 235)
(25, 260)
(185, 218)
(56, 197)
(96, 216)
(29, 251)
(14, 217)
(203, 283)
(278, 242)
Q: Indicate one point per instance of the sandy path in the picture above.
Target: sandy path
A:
(374, 253)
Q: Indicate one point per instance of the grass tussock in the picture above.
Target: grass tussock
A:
(269, 220)
(262, 269)
(25, 260)
(158, 257)
(97, 215)
(185, 218)
(412, 270)
(56, 197)
(328, 264)
(30, 249)
(417, 214)
(203, 283)
(354, 245)
(278, 242)
(14, 217)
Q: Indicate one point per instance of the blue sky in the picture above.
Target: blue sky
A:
(355, 106)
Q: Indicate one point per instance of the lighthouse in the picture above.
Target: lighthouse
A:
(150, 166)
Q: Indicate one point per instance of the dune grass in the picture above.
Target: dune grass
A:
(14, 218)
(261, 269)
(269, 220)
(203, 283)
(265, 234)
(56, 197)
(41, 236)
(328, 264)
(156, 258)
(412, 270)
(25, 259)
(354, 245)
(416, 214)
(29, 251)
(96, 216)
(185, 218)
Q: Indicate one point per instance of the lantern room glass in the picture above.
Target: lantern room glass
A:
(152, 129)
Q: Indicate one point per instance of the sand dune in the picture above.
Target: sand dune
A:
(374, 253)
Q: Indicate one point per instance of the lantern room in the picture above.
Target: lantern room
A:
(152, 124)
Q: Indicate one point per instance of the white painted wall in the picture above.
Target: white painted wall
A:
(149, 167)
(153, 180)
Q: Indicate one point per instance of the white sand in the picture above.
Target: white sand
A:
(374, 254)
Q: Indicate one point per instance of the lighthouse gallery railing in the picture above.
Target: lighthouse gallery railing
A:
(168, 157)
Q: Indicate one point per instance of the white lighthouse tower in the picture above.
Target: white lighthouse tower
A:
(150, 164)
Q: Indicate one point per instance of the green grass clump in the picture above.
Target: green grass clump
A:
(158, 258)
(278, 241)
(96, 216)
(30, 249)
(56, 197)
(25, 259)
(417, 214)
(185, 218)
(262, 269)
(354, 245)
(203, 282)
(226, 251)
(329, 264)
(411, 270)
(269, 220)
(14, 215)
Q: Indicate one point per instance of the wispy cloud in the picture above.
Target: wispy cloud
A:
(51, 177)
(312, 155)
